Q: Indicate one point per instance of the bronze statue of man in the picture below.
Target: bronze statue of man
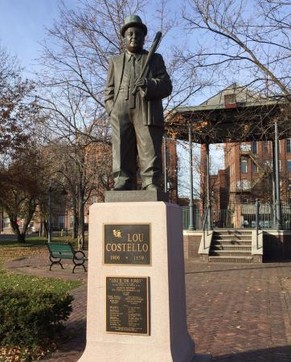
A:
(136, 117)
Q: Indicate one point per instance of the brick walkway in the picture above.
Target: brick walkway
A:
(236, 312)
(240, 312)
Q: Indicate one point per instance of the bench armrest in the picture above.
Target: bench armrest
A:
(79, 255)
(79, 259)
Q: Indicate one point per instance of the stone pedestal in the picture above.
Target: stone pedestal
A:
(136, 287)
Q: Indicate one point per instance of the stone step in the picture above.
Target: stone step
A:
(232, 237)
(231, 259)
(236, 237)
(230, 252)
(233, 232)
(232, 242)
(232, 247)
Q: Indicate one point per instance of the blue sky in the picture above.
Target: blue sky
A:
(22, 27)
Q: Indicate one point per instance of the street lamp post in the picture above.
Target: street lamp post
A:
(2, 218)
(208, 199)
(165, 165)
(49, 215)
(277, 181)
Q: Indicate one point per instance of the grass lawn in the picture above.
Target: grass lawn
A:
(10, 249)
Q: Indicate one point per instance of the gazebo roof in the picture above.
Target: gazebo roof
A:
(233, 115)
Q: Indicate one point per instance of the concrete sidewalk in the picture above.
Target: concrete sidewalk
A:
(236, 312)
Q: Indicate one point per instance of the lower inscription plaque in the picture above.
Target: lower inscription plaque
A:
(127, 305)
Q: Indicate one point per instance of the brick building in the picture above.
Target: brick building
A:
(249, 176)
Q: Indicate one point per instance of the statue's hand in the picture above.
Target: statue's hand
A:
(141, 83)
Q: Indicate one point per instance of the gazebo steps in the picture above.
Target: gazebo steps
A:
(231, 246)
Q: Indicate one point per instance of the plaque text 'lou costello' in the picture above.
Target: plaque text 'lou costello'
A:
(127, 244)
(127, 305)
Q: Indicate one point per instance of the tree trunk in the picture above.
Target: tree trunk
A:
(75, 226)
(81, 227)
(15, 228)
(21, 238)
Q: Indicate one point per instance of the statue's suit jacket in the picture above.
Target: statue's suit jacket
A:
(159, 86)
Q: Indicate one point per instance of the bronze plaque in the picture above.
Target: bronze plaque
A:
(127, 305)
(127, 244)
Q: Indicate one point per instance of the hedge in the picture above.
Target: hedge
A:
(32, 318)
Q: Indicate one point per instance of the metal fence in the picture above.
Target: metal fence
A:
(196, 218)
(242, 216)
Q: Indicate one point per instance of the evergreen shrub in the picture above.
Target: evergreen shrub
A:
(32, 318)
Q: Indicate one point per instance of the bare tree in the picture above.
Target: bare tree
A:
(82, 171)
(22, 187)
(21, 169)
(242, 39)
(16, 109)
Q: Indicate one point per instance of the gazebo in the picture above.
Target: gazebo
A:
(233, 115)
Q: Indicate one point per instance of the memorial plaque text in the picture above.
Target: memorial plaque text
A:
(127, 305)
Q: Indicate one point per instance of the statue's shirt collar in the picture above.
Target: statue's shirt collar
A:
(129, 55)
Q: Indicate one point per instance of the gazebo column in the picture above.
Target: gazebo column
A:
(278, 217)
(191, 206)
(205, 183)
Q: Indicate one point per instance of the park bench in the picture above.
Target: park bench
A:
(60, 251)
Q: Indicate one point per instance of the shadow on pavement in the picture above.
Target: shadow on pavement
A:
(217, 267)
(276, 354)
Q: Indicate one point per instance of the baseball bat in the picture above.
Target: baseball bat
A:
(151, 52)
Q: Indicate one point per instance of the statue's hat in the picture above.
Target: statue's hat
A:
(131, 21)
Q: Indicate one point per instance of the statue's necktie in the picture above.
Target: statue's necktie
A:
(132, 82)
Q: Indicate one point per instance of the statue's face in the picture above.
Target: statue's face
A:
(134, 39)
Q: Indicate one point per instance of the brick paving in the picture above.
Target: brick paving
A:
(235, 312)
(240, 312)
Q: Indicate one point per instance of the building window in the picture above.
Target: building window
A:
(254, 167)
(229, 100)
(6, 222)
(265, 146)
(61, 222)
(254, 147)
(243, 165)
(288, 145)
(72, 221)
(289, 165)
(245, 147)
(243, 184)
